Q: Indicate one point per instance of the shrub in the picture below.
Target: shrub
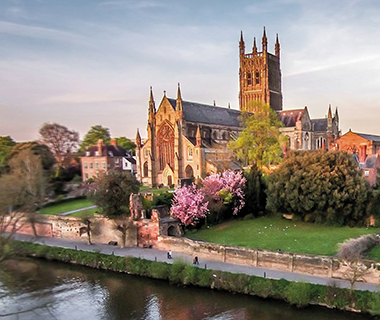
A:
(298, 293)
(159, 270)
(353, 249)
(177, 271)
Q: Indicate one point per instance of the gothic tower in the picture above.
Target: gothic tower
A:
(260, 75)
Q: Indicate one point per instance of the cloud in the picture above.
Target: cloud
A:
(39, 32)
(132, 4)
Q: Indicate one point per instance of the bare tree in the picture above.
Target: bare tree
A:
(61, 141)
(123, 224)
(86, 220)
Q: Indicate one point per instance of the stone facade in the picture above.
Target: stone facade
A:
(189, 140)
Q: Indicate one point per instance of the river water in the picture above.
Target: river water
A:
(39, 289)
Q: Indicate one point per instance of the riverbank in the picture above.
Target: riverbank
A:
(181, 271)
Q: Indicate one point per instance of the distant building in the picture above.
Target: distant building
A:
(366, 147)
(101, 158)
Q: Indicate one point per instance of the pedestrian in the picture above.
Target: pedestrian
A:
(195, 261)
(169, 254)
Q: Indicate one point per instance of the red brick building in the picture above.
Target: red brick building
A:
(103, 157)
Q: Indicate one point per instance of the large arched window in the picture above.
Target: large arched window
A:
(166, 146)
(145, 168)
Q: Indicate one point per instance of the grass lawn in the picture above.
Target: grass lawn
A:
(67, 205)
(89, 213)
(374, 254)
(275, 233)
(146, 189)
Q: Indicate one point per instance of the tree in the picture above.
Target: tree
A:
(189, 205)
(93, 135)
(22, 191)
(255, 196)
(260, 140)
(111, 191)
(6, 145)
(126, 143)
(320, 186)
(61, 141)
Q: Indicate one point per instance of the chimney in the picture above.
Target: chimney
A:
(113, 142)
(100, 145)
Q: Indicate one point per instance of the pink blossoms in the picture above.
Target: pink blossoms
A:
(189, 204)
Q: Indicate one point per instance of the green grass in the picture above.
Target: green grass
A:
(89, 213)
(374, 254)
(67, 205)
(275, 233)
(146, 189)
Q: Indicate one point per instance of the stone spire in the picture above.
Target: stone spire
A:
(277, 47)
(265, 41)
(198, 137)
(241, 44)
(254, 49)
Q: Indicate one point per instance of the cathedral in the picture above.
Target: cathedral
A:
(189, 140)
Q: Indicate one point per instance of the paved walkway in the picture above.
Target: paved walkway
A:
(157, 255)
(74, 211)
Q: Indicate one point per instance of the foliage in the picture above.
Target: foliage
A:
(6, 145)
(260, 141)
(298, 294)
(93, 135)
(189, 205)
(374, 199)
(61, 141)
(126, 143)
(38, 149)
(111, 191)
(353, 249)
(320, 186)
(224, 191)
(255, 196)
(273, 233)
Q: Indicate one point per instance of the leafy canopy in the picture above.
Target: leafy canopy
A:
(126, 143)
(93, 135)
(260, 140)
(61, 141)
(320, 186)
(111, 191)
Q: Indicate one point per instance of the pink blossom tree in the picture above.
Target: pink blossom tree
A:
(189, 205)
(227, 187)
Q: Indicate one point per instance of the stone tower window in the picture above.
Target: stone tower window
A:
(249, 78)
(257, 77)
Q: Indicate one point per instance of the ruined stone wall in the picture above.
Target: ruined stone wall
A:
(291, 262)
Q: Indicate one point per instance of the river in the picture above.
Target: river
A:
(37, 289)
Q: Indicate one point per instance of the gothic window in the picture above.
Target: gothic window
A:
(204, 134)
(257, 77)
(224, 136)
(249, 78)
(145, 174)
(166, 146)
(164, 109)
(215, 135)
(190, 152)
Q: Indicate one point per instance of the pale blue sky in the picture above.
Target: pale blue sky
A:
(87, 62)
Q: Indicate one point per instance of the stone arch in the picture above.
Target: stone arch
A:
(189, 172)
(171, 231)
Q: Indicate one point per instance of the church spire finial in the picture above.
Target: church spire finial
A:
(179, 107)
(241, 44)
(265, 41)
(179, 92)
(152, 107)
(277, 47)
(329, 115)
(198, 137)
(254, 49)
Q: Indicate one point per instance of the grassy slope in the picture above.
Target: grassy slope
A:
(67, 206)
(274, 233)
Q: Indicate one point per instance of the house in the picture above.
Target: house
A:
(101, 158)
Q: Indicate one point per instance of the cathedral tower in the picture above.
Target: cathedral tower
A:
(260, 75)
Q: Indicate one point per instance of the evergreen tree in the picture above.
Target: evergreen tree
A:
(323, 187)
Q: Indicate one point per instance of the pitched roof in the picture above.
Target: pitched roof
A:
(107, 151)
(203, 113)
(370, 137)
(290, 117)
(319, 124)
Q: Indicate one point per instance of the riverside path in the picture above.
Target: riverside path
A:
(158, 255)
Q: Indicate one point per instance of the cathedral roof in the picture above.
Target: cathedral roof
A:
(290, 117)
(319, 124)
(203, 113)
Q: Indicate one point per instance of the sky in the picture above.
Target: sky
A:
(81, 63)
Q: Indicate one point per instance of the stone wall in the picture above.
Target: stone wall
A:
(291, 262)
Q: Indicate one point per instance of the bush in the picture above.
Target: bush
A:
(298, 293)
(353, 249)
(177, 274)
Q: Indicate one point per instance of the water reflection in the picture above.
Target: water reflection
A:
(46, 290)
